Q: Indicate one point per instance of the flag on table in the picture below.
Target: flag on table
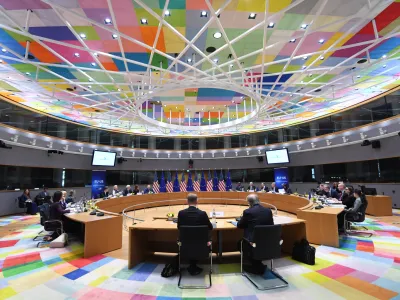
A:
(203, 183)
(209, 182)
(176, 183)
(162, 183)
(156, 186)
(170, 185)
(196, 183)
(183, 183)
(228, 181)
(215, 182)
(221, 183)
(189, 186)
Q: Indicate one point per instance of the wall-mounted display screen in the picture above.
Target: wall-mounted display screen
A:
(280, 156)
(103, 158)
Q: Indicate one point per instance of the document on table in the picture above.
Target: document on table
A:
(217, 214)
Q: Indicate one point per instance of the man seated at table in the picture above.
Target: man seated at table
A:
(255, 215)
(104, 193)
(263, 188)
(115, 190)
(274, 189)
(328, 192)
(148, 190)
(127, 190)
(192, 216)
(252, 188)
(321, 189)
(239, 187)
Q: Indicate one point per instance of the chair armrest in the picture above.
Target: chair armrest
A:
(50, 222)
(250, 243)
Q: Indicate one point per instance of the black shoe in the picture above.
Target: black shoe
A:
(194, 270)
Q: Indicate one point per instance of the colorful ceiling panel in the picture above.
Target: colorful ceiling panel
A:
(196, 68)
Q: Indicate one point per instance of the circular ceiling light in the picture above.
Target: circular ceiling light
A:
(3, 50)
(107, 21)
(217, 35)
(82, 35)
(167, 13)
(143, 21)
(203, 14)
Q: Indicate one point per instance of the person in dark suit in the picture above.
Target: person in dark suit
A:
(274, 189)
(43, 194)
(287, 188)
(127, 190)
(239, 187)
(25, 199)
(255, 215)
(329, 193)
(104, 193)
(192, 216)
(263, 188)
(347, 197)
(252, 188)
(136, 190)
(148, 190)
(56, 212)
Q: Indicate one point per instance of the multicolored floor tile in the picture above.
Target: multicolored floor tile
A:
(362, 268)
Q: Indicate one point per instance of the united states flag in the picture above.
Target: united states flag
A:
(221, 185)
(170, 187)
(196, 186)
(210, 185)
(156, 187)
(182, 185)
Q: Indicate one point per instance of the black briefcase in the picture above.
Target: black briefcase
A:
(303, 252)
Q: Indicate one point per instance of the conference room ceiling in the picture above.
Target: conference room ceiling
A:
(196, 67)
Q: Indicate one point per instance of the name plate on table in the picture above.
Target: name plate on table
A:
(217, 214)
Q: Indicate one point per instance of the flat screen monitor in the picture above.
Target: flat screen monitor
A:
(280, 156)
(103, 158)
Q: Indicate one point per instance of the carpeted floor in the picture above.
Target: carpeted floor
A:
(362, 268)
(13, 219)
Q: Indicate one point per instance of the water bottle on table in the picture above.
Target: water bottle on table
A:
(214, 218)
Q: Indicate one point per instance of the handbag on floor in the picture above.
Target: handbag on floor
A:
(303, 252)
(59, 242)
(170, 269)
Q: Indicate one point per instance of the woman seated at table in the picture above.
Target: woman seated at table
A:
(136, 190)
(287, 189)
(56, 213)
(348, 197)
(25, 199)
(354, 213)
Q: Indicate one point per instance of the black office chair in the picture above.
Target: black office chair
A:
(266, 245)
(49, 225)
(349, 222)
(194, 245)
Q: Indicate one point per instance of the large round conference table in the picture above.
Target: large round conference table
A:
(150, 232)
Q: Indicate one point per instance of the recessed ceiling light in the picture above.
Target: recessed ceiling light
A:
(322, 58)
(310, 75)
(202, 109)
(305, 57)
(358, 76)
(303, 67)
(271, 25)
(215, 60)
(1, 61)
(384, 66)
(302, 81)
(143, 21)
(304, 26)
(96, 54)
(291, 95)
(252, 16)
(292, 41)
(189, 60)
(158, 101)
(3, 50)
(165, 105)
(82, 35)
(27, 73)
(203, 14)
(217, 35)
(89, 86)
(383, 56)
(119, 90)
(93, 64)
(213, 107)
(90, 79)
(231, 66)
(233, 101)
(321, 41)
(114, 36)
(150, 92)
(107, 21)
(167, 13)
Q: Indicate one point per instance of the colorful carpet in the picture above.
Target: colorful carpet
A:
(13, 219)
(362, 268)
